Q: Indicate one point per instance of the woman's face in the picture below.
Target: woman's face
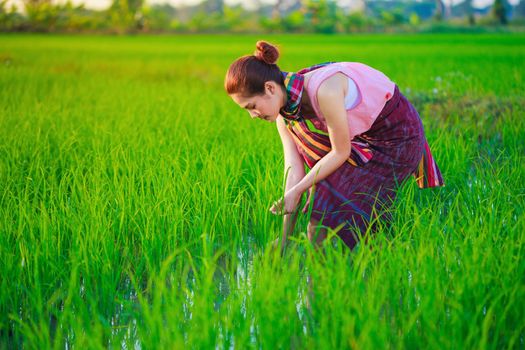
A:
(264, 106)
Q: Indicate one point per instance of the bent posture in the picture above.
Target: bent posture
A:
(357, 134)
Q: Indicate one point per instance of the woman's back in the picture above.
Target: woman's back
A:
(374, 89)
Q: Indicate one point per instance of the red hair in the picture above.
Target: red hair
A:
(248, 74)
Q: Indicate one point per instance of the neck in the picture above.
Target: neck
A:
(290, 102)
(305, 99)
(306, 105)
(284, 99)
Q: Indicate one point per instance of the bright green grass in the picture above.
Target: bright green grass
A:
(134, 201)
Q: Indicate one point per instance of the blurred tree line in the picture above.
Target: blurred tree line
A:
(302, 16)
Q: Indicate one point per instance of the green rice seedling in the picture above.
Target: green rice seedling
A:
(134, 201)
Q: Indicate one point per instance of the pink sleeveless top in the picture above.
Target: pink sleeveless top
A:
(374, 87)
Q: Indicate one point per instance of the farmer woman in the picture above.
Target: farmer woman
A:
(358, 135)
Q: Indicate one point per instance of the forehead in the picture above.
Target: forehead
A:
(243, 100)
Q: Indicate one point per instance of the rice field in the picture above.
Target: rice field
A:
(135, 196)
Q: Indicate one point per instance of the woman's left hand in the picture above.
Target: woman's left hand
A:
(291, 201)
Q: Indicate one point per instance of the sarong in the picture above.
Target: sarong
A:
(361, 191)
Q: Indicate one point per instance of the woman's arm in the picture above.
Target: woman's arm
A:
(330, 96)
(293, 172)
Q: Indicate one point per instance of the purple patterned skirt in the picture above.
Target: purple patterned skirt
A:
(362, 190)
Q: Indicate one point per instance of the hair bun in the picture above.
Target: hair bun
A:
(266, 52)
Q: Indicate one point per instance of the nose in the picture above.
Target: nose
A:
(254, 114)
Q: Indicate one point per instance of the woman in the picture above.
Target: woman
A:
(358, 135)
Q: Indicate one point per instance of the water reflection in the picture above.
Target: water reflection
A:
(233, 277)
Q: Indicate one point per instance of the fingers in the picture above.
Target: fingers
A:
(277, 208)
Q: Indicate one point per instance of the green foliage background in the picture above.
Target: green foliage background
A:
(134, 201)
(298, 16)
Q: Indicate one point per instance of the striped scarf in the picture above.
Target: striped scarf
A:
(294, 83)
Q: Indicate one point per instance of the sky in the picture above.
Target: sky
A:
(103, 4)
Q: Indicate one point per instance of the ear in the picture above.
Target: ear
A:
(270, 86)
